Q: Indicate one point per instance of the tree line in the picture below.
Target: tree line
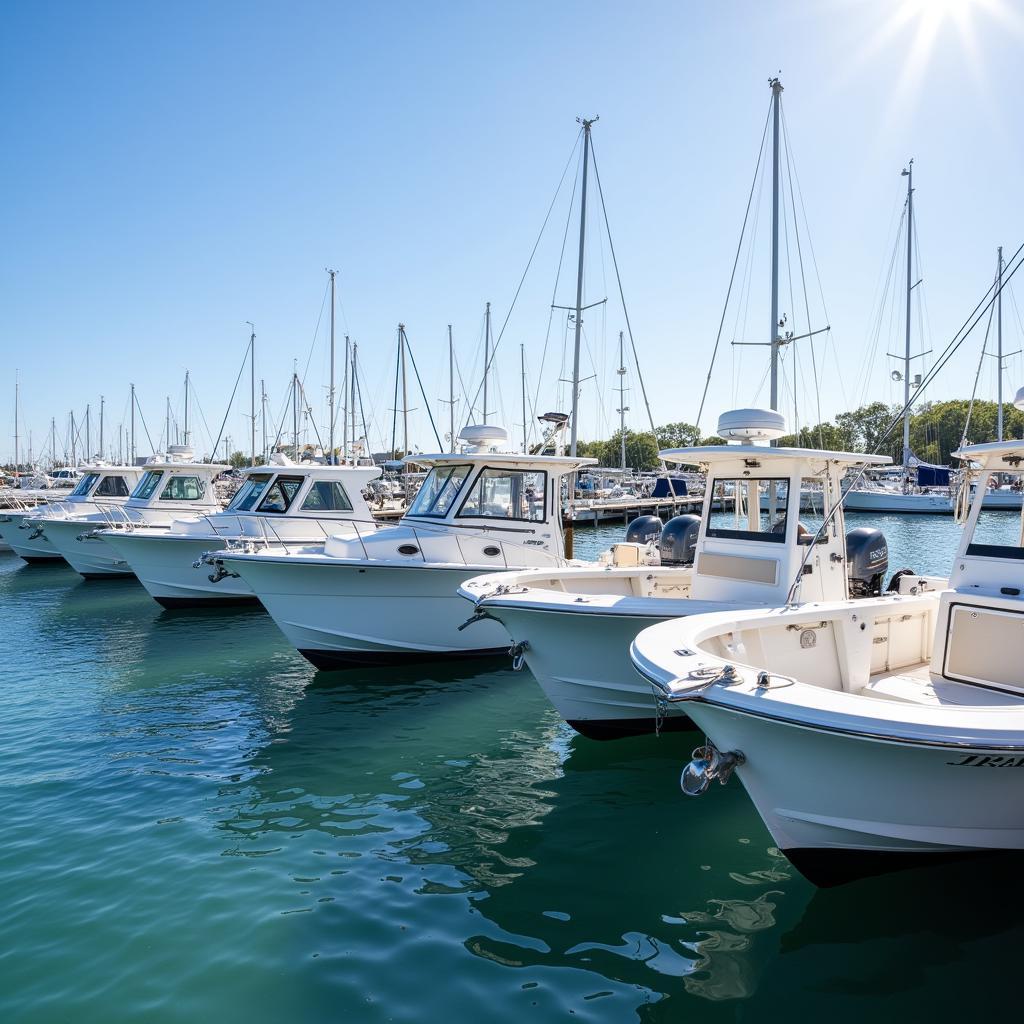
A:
(936, 430)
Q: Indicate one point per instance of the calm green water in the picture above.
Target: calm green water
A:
(197, 826)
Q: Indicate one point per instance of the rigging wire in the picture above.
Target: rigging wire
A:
(732, 276)
(618, 280)
(529, 262)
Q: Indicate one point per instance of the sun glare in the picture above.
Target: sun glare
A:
(919, 27)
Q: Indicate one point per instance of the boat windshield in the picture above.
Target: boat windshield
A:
(183, 488)
(281, 494)
(84, 485)
(112, 487)
(249, 493)
(438, 492)
(749, 509)
(327, 496)
(145, 488)
(507, 494)
(998, 533)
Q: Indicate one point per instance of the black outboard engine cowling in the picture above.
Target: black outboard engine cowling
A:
(678, 542)
(643, 530)
(867, 561)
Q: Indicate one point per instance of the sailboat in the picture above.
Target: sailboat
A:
(906, 497)
(573, 626)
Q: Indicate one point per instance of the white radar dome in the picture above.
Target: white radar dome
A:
(1018, 399)
(180, 453)
(751, 425)
(484, 437)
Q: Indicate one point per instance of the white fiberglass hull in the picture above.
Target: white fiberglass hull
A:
(89, 555)
(895, 501)
(165, 566)
(843, 805)
(351, 613)
(582, 664)
(23, 543)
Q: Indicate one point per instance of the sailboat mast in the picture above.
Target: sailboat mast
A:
(622, 405)
(451, 390)
(352, 399)
(579, 289)
(295, 413)
(330, 389)
(405, 396)
(999, 336)
(263, 414)
(88, 433)
(909, 173)
(774, 338)
(252, 388)
(487, 353)
(167, 421)
(344, 404)
(522, 370)
(131, 449)
(102, 402)
(186, 434)
(53, 441)
(17, 439)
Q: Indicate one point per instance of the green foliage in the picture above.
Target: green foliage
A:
(641, 450)
(239, 459)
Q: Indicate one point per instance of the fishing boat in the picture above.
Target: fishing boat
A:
(573, 626)
(172, 485)
(386, 594)
(100, 490)
(869, 734)
(276, 508)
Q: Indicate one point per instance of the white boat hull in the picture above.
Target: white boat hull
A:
(165, 567)
(339, 614)
(896, 501)
(582, 664)
(89, 556)
(36, 549)
(842, 806)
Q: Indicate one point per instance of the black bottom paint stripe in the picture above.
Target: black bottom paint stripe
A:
(328, 661)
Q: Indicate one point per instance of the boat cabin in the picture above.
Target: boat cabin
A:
(753, 542)
(103, 484)
(173, 482)
(504, 508)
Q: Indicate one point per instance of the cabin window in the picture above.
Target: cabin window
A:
(146, 487)
(327, 496)
(249, 493)
(749, 508)
(438, 492)
(280, 494)
(997, 534)
(112, 487)
(85, 485)
(507, 494)
(183, 488)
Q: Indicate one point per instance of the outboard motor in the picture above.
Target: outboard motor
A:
(678, 542)
(867, 561)
(643, 530)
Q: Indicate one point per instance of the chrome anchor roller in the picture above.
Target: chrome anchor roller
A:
(708, 764)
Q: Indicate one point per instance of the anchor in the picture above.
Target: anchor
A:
(708, 764)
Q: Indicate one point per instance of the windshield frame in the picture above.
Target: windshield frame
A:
(451, 469)
(725, 533)
(84, 486)
(248, 492)
(510, 471)
(146, 487)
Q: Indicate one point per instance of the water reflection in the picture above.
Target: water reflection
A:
(560, 854)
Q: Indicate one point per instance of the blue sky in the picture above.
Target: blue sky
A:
(170, 172)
